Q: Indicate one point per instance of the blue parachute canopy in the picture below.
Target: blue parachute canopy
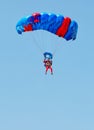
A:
(55, 23)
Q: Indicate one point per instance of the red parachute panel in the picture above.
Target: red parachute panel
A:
(64, 27)
(28, 28)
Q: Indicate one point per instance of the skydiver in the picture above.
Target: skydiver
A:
(48, 65)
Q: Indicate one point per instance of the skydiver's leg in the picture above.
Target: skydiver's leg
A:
(51, 70)
(46, 69)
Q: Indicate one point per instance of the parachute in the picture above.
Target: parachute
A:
(55, 23)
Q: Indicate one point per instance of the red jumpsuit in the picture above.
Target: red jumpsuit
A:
(48, 65)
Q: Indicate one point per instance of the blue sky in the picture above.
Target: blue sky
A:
(31, 100)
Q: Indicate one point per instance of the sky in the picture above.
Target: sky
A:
(31, 100)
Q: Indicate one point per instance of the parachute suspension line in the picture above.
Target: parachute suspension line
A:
(36, 43)
(42, 39)
(57, 47)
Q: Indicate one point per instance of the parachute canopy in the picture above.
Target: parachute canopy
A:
(55, 23)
